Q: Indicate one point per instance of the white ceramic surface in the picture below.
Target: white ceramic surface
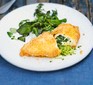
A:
(9, 49)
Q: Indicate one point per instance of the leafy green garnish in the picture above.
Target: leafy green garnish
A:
(35, 31)
(54, 13)
(79, 46)
(22, 38)
(23, 21)
(38, 11)
(9, 34)
(24, 29)
(44, 21)
(13, 37)
(12, 30)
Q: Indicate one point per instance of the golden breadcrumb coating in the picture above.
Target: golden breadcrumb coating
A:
(68, 30)
(42, 46)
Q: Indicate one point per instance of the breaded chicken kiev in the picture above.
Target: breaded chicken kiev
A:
(42, 46)
(69, 31)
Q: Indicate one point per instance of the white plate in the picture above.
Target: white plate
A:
(9, 49)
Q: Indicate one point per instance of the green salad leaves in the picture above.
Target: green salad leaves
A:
(44, 21)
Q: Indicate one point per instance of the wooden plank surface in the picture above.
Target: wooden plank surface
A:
(84, 6)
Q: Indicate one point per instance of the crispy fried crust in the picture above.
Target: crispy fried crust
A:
(42, 46)
(68, 30)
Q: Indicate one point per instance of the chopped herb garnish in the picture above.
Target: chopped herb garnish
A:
(50, 61)
(79, 46)
(9, 34)
(66, 50)
(22, 38)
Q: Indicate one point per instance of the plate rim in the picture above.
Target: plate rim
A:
(48, 69)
